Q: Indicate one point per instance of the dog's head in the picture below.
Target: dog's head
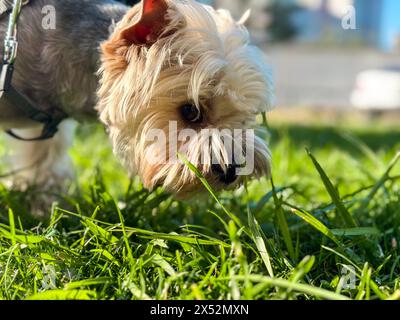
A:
(179, 77)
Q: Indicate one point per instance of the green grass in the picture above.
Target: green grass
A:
(331, 218)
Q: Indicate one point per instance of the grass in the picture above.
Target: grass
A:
(327, 228)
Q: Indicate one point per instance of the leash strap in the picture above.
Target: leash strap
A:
(20, 101)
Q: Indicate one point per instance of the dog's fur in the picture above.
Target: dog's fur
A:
(198, 55)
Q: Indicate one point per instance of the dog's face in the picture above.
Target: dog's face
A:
(180, 77)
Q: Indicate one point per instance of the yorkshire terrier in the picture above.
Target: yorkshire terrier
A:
(173, 67)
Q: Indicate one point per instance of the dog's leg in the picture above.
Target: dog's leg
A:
(44, 164)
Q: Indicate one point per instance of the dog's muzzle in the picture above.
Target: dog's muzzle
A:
(227, 177)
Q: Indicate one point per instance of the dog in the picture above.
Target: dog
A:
(138, 70)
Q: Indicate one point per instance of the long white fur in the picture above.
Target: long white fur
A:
(208, 59)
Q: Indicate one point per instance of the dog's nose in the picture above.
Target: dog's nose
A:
(227, 177)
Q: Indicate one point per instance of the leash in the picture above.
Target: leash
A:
(50, 120)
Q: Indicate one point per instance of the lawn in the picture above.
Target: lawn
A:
(327, 228)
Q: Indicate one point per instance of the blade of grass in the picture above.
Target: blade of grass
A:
(282, 223)
(89, 282)
(356, 232)
(12, 227)
(316, 224)
(362, 146)
(282, 283)
(209, 189)
(101, 233)
(124, 234)
(379, 184)
(64, 295)
(259, 241)
(343, 212)
(257, 235)
(342, 256)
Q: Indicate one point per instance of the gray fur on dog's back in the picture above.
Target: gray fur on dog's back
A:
(56, 68)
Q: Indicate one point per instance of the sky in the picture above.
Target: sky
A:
(390, 23)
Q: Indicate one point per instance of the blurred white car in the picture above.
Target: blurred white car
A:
(377, 89)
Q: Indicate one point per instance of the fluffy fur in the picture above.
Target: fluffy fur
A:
(206, 58)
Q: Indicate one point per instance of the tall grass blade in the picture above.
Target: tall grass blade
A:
(343, 212)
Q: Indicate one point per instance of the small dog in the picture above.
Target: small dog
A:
(168, 65)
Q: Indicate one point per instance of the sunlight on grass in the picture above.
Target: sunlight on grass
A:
(328, 228)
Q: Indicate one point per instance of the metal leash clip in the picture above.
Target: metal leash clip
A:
(10, 42)
(10, 48)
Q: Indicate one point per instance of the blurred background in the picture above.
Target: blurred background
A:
(329, 57)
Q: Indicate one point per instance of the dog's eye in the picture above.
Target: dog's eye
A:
(191, 113)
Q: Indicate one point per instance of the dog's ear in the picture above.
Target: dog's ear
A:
(150, 25)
